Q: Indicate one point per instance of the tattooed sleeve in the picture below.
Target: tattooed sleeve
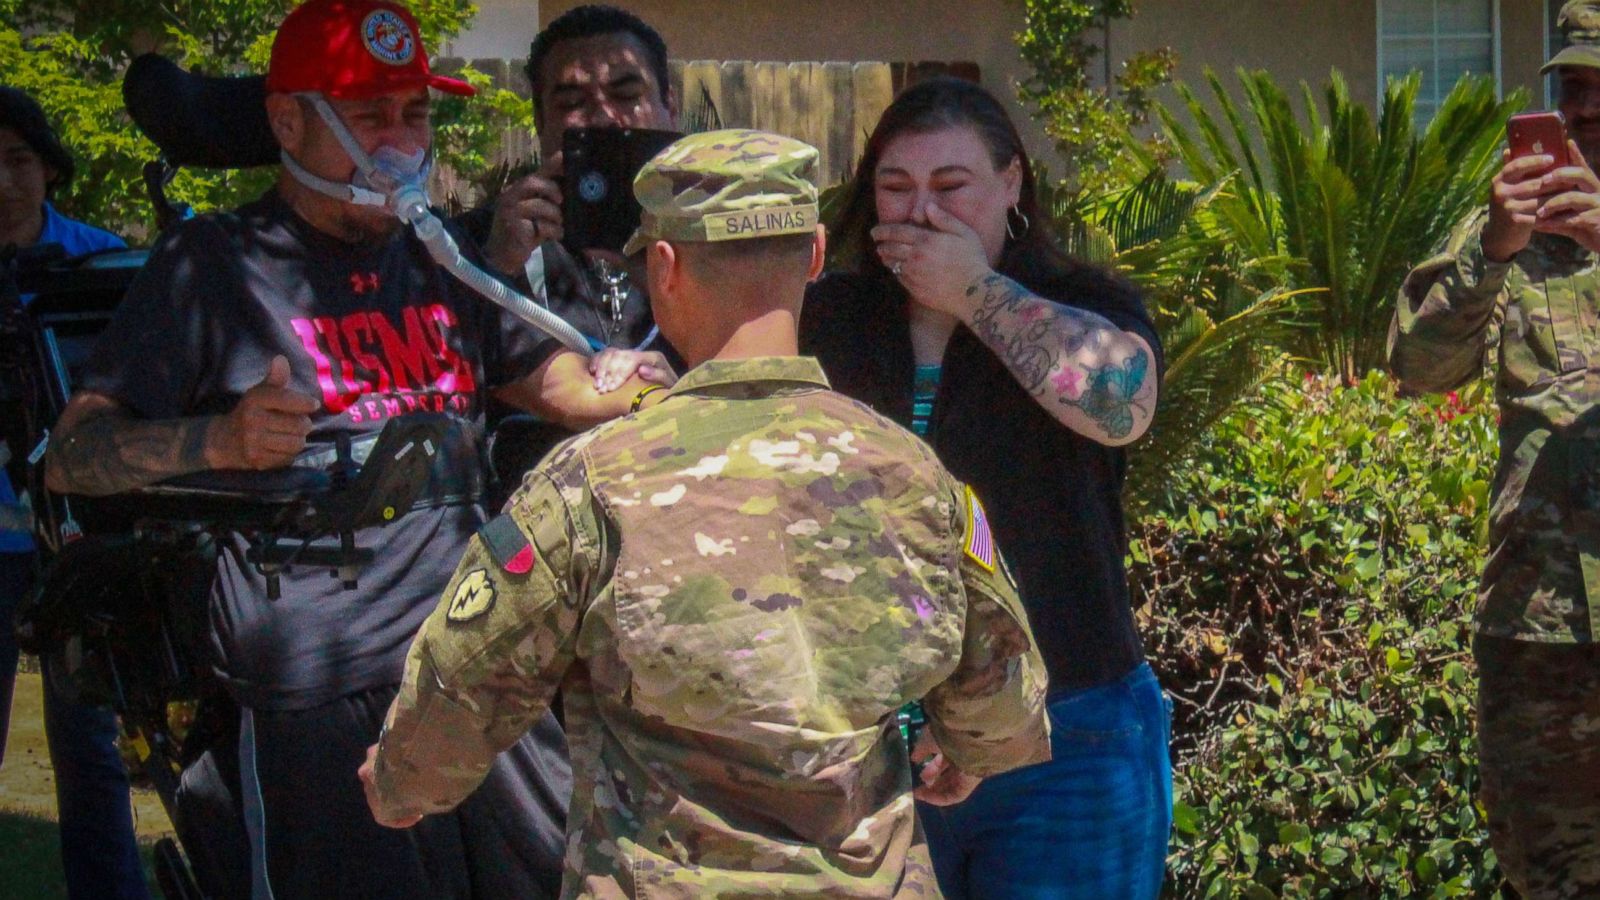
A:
(1067, 358)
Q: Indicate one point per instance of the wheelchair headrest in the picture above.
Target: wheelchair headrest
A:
(198, 120)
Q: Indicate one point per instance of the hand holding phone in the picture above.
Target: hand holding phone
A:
(527, 212)
(1539, 134)
(1519, 187)
(599, 165)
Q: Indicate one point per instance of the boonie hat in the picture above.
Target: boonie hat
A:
(1579, 22)
(353, 50)
(726, 186)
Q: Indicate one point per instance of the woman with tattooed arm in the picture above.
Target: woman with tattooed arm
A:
(1027, 371)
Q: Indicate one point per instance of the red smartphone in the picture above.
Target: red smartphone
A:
(1532, 134)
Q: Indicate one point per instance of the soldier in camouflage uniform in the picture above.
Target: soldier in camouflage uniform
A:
(1520, 279)
(735, 588)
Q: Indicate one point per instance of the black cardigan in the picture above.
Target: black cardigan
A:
(1054, 498)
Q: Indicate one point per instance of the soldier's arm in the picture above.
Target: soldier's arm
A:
(988, 717)
(1446, 308)
(487, 662)
(562, 391)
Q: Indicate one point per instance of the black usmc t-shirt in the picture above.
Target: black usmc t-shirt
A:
(375, 331)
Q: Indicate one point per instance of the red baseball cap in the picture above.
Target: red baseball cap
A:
(352, 50)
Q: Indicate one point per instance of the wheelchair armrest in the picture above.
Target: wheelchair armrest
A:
(271, 487)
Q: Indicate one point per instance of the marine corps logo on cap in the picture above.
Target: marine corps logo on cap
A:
(388, 37)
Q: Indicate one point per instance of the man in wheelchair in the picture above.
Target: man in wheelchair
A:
(269, 337)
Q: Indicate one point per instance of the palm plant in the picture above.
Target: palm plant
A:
(1356, 202)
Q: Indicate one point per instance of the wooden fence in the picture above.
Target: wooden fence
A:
(830, 105)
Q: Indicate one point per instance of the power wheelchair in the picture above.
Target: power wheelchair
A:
(121, 609)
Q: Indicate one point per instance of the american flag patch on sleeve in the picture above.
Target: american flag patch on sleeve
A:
(979, 542)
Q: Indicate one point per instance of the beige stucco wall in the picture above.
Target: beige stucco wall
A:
(1522, 50)
(1294, 39)
(1305, 39)
(503, 29)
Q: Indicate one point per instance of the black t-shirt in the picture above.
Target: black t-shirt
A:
(1054, 498)
(376, 331)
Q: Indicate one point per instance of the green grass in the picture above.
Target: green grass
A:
(30, 859)
(30, 854)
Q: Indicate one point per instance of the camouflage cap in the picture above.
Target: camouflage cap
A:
(726, 186)
(1579, 22)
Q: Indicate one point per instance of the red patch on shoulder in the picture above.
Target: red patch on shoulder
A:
(522, 563)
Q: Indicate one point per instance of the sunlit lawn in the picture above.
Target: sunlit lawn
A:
(30, 858)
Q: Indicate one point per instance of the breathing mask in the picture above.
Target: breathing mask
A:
(388, 178)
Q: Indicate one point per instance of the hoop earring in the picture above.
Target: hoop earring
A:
(1017, 233)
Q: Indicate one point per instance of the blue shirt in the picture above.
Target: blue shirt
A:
(77, 239)
(924, 387)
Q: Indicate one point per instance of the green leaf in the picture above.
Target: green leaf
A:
(1185, 818)
(1296, 836)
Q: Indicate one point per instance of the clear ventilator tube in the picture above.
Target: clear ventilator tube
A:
(411, 205)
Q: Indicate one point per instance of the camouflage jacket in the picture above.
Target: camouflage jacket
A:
(736, 589)
(1539, 315)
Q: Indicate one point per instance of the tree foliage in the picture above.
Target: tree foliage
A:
(1087, 121)
(70, 56)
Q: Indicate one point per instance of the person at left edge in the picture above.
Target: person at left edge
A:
(252, 340)
(95, 820)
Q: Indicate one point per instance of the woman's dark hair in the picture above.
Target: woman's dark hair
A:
(590, 21)
(22, 114)
(933, 105)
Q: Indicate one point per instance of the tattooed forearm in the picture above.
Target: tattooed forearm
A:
(108, 452)
(1010, 322)
(1089, 373)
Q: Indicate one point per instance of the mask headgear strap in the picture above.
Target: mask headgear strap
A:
(338, 190)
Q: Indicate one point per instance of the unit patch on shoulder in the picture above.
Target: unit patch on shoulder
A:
(474, 596)
(507, 545)
(979, 544)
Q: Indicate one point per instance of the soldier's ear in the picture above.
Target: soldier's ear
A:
(664, 268)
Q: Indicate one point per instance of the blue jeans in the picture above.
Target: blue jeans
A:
(1091, 823)
(94, 807)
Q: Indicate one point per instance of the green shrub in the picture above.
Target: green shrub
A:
(1310, 616)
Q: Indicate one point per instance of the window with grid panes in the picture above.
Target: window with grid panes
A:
(1443, 39)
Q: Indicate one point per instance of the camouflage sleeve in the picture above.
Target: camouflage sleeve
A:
(989, 715)
(487, 662)
(1447, 309)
